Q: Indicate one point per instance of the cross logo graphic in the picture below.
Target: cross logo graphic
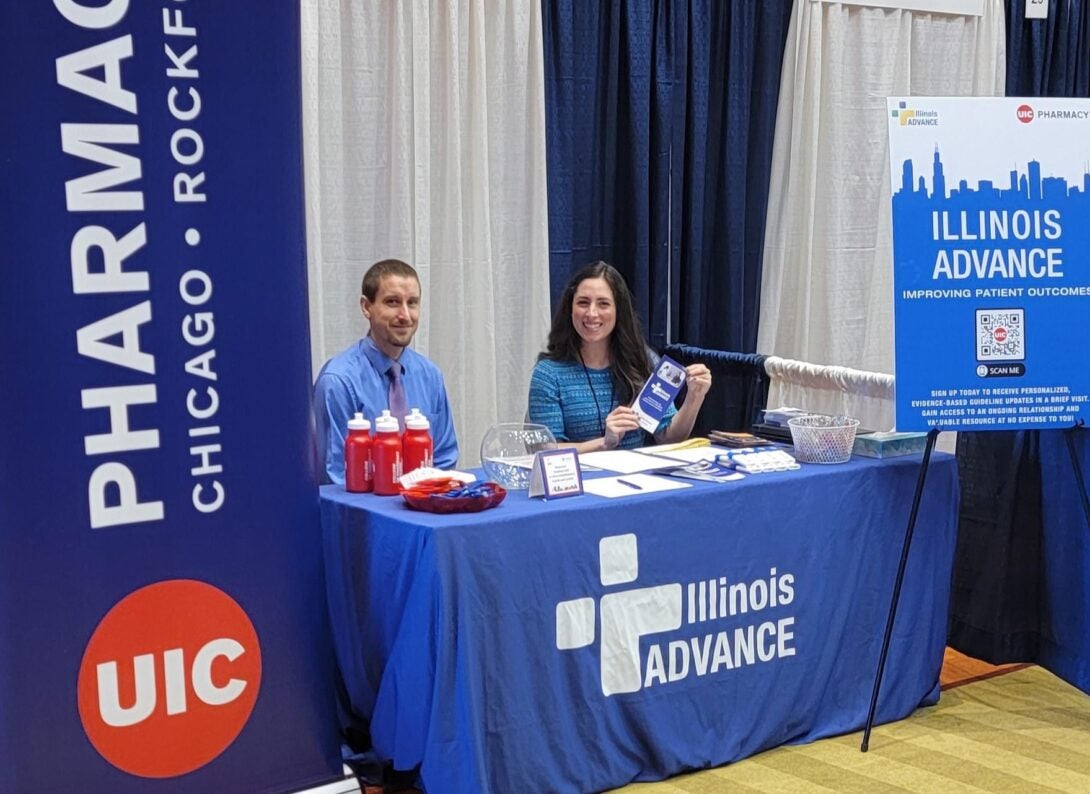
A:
(627, 615)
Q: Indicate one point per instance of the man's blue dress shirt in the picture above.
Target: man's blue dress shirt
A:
(357, 380)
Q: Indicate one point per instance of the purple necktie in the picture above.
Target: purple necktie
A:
(395, 395)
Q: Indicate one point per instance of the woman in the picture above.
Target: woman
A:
(595, 363)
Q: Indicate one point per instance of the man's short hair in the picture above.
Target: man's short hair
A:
(378, 271)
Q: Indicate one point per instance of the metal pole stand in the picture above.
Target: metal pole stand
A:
(932, 434)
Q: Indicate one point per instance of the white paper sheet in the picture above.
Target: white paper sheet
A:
(631, 485)
(624, 461)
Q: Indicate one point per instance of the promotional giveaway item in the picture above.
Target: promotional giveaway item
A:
(431, 473)
(758, 460)
(416, 443)
(657, 395)
(359, 472)
(450, 495)
(386, 453)
(555, 473)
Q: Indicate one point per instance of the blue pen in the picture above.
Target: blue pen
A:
(630, 484)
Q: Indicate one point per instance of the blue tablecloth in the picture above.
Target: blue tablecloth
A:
(474, 645)
(1065, 607)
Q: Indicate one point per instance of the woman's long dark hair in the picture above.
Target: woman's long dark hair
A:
(628, 362)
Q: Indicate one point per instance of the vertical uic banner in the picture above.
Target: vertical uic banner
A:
(162, 613)
(991, 258)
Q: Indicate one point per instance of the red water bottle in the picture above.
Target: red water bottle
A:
(359, 472)
(416, 444)
(386, 453)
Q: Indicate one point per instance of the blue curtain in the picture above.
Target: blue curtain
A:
(659, 121)
(1049, 57)
(724, 117)
(996, 605)
(739, 387)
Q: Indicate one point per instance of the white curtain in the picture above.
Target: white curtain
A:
(827, 289)
(424, 139)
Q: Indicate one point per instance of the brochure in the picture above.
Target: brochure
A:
(706, 471)
(658, 393)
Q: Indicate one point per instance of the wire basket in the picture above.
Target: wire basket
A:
(823, 439)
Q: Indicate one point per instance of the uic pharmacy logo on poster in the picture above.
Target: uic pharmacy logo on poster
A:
(169, 678)
(631, 614)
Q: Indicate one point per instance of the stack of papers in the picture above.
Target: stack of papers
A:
(737, 439)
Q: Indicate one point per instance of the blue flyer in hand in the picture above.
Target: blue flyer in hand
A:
(658, 393)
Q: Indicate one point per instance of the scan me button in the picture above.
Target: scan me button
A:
(1001, 370)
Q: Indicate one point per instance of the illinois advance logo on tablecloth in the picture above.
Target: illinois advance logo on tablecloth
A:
(631, 614)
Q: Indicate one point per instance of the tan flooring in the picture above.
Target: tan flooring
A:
(957, 669)
(1023, 730)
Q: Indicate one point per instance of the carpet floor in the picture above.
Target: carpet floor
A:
(1014, 728)
(1023, 731)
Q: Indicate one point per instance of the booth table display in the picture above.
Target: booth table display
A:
(584, 643)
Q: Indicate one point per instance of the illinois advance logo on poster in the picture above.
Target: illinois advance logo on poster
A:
(169, 678)
(630, 615)
(915, 116)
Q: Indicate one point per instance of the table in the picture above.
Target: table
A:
(584, 643)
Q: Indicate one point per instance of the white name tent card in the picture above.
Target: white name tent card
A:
(555, 473)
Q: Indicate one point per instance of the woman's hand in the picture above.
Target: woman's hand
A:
(698, 379)
(620, 420)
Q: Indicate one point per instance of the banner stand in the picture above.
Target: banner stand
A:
(989, 265)
(932, 434)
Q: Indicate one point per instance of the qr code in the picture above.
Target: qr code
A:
(1000, 335)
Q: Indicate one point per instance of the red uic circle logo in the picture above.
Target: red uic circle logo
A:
(169, 678)
(1024, 113)
(1000, 335)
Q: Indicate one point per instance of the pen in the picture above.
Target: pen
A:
(630, 484)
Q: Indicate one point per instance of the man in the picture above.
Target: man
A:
(380, 371)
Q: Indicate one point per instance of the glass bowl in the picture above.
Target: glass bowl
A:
(507, 452)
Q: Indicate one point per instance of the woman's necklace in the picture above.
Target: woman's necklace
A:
(594, 394)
